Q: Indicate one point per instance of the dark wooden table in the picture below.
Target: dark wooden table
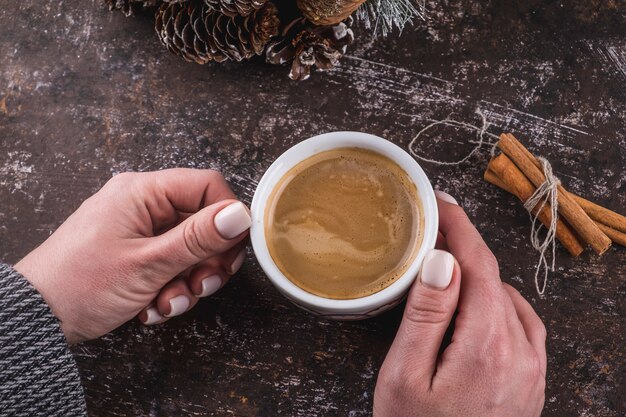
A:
(85, 94)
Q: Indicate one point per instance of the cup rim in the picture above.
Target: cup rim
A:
(304, 150)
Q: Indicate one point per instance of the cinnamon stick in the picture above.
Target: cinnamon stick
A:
(492, 178)
(503, 171)
(569, 208)
(596, 212)
(601, 214)
(615, 235)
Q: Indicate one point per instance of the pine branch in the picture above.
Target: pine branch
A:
(385, 15)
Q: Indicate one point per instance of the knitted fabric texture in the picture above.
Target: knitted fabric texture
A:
(38, 375)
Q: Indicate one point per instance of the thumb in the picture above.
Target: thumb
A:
(208, 232)
(429, 309)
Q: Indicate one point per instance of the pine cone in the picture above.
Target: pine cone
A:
(132, 7)
(233, 8)
(328, 12)
(198, 33)
(306, 45)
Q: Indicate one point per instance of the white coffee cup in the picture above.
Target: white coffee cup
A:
(357, 308)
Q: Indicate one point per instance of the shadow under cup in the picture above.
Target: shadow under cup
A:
(352, 308)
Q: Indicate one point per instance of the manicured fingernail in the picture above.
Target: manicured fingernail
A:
(234, 267)
(153, 316)
(233, 220)
(437, 269)
(445, 197)
(210, 285)
(178, 305)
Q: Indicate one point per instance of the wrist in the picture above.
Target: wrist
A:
(33, 273)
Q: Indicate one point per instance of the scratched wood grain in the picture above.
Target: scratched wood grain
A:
(85, 94)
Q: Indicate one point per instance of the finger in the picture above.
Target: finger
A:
(532, 324)
(441, 242)
(429, 309)
(235, 257)
(464, 241)
(175, 190)
(211, 231)
(481, 295)
(175, 299)
(150, 315)
(207, 278)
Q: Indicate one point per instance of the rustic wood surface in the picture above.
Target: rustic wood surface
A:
(86, 94)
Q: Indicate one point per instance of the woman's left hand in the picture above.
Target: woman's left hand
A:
(146, 244)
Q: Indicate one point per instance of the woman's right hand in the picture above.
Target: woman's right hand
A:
(495, 365)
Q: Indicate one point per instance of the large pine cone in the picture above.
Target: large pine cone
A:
(328, 12)
(198, 33)
(233, 8)
(307, 46)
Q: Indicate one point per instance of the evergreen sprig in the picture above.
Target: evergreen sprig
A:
(385, 15)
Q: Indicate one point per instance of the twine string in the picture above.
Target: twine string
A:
(546, 193)
(481, 133)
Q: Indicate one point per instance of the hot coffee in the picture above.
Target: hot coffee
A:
(344, 223)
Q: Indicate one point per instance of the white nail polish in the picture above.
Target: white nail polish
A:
(241, 256)
(437, 269)
(153, 316)
(233, 220)
(178, 305)
(445, 197)
(210, 285)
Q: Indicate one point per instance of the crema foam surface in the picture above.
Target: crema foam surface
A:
(344, 224)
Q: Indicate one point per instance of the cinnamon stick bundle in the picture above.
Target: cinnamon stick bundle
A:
(615, 234)
(519, 172)
(568, 208)
(515, 182)
(595, 211)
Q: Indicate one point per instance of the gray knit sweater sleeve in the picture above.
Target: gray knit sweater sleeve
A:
(38, 375)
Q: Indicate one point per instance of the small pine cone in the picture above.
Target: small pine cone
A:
(200, 34)
(306, 46)
(233, 8)
(132, 7)
(328, 12)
